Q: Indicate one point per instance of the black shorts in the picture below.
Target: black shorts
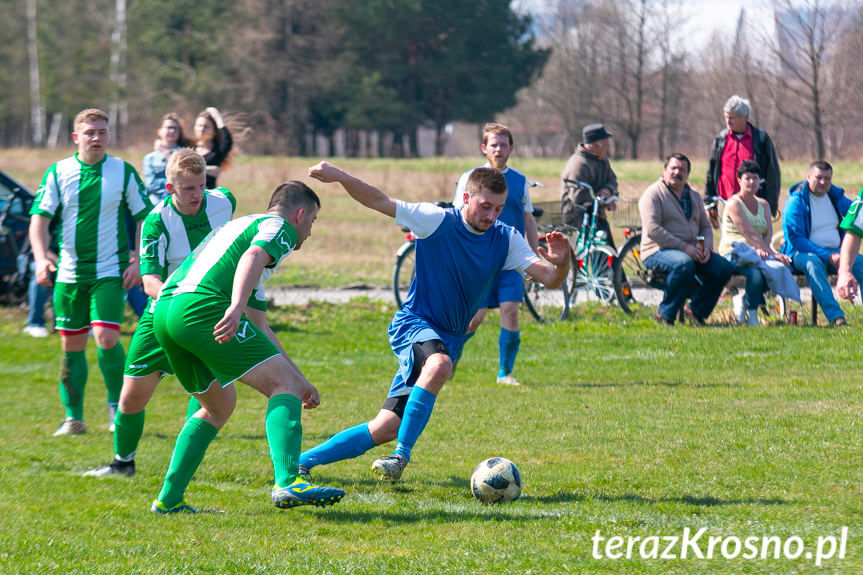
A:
(422, 351)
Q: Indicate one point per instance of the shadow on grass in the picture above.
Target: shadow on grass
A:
(702, 501)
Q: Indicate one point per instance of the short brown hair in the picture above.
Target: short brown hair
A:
(293, 194)
(185, 161)
(495, 128)
(90, 115)
(488, 178)
(680, 158)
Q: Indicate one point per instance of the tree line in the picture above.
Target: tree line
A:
(293, 71)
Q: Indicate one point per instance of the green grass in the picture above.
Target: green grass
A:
(623, 426)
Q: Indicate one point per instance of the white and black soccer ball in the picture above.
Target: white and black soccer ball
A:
(496, 480)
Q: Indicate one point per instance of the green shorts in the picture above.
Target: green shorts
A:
(145, 355)
(184, 324)
(77, 306)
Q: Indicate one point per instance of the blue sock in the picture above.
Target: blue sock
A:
(417, 413)
(508, 343)
(351, 442)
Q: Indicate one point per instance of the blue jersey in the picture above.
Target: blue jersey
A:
(517, 198)
(456, 268)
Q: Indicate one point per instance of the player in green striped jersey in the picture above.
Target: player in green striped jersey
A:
(215, 335)
(90, 192)
(176, 225)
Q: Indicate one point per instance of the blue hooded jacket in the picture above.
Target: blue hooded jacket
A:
(797, 220)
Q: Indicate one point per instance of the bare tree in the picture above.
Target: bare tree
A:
(806, 36)
(118, 108)
(37, 112)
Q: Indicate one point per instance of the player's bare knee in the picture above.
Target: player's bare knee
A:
(437, 368)
(385, 426)
(106, 338)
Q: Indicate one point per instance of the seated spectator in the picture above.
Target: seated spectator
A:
(746, 220)
(677, 238)
(812, 214)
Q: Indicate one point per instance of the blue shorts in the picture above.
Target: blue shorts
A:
(405, 330)
(508, 287)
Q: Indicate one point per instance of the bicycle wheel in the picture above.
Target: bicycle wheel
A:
(404, 271)
(546, 304)
(631, 278)
(592, 275)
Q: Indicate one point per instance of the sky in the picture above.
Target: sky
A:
(703, 17)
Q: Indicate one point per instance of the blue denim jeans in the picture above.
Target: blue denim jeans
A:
(816, 274)
(701, 283)
(37, 295)
(756, 285)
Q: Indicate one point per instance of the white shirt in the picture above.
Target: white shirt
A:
(825, 222)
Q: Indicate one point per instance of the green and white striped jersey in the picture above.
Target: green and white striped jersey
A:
(168, 236)
(209, 270)
(92, 203)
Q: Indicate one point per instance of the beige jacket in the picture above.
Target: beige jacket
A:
(663, 224)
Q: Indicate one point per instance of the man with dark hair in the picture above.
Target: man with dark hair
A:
(811, 223)
(738, 142)
(677, 238)
(589, 163)
(211, 321)
(459, 253)
(508, 291)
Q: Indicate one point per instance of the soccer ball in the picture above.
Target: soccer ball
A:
(496, 480)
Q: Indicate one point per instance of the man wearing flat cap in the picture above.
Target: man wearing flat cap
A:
(589, 164)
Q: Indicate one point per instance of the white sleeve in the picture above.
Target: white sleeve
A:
(458, 200)
(421, 218)
(520, 256)
(527, 205)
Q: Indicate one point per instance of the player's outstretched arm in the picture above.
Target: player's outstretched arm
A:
(364, 193)
(553, 273)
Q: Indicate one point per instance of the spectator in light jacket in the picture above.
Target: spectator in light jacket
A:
(674, 224)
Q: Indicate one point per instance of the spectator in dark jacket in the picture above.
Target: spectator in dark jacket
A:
(741, 141)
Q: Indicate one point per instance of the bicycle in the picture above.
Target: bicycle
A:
(591, 264)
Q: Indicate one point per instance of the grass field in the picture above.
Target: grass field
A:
(623, 427)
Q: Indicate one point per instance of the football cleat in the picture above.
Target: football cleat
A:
(71, 426)
(113, 469)
(508, 379)
(390, 468)
(181, 507)
(301, 492)
(304, 473)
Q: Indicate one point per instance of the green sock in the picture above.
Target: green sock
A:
(111, 362)
(128, 428)
(285, 436)
(73, 379)
(189, 451)
(193, 407)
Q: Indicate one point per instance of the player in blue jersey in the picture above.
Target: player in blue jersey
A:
(508, 291)
(459, 254)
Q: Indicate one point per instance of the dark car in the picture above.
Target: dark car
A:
(15, 202)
